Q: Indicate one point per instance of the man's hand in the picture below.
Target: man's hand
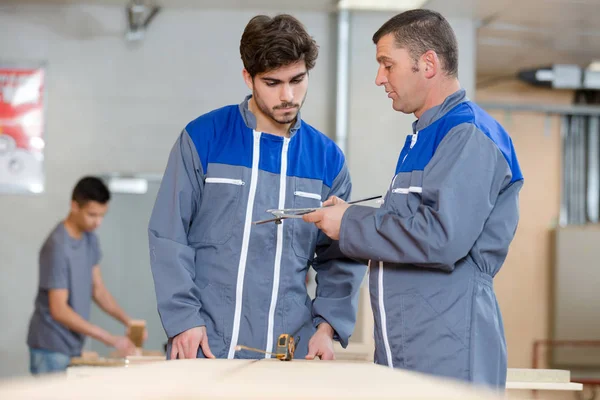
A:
(321, 343)
(186, 344)
(124, 346)
(329, 218)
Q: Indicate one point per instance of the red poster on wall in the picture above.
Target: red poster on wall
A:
(22, 99)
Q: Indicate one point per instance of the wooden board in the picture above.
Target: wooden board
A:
(538, 375)
(113, 362)
(246, 379)
(136, 332)
(98, 362)
(570, 386)
(540, 379)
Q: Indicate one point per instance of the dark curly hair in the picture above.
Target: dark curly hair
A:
(270, 43)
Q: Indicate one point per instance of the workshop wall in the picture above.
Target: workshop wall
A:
(523, 285)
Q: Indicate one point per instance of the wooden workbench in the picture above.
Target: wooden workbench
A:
(245, 379)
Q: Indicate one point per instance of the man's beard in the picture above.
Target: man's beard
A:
(284, 119)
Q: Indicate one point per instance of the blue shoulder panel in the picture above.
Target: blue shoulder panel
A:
(222, 137)
(467, 112)
(313, 155)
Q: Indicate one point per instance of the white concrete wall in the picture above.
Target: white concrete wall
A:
(117, 107)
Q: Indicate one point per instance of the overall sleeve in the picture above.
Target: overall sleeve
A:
(338, 277)
(460, 186)
(172, 259)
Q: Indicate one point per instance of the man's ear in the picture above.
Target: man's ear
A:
(432, 65)
(74, 206)
(248, 79)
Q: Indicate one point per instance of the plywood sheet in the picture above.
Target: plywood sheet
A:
(246, 379)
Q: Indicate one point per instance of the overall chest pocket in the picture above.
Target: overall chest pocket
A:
(304, 234)
(218, 210)
(405, 194)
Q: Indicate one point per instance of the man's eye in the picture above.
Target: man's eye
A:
(271, 83)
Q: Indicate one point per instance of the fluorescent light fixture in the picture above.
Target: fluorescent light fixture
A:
(380, 5)
(564, 76)
(544, 75)
(557, 76)
(36, 188)
(567, 76)
(591, 79)
(128, 185)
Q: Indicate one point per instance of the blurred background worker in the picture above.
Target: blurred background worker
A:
(69, 278)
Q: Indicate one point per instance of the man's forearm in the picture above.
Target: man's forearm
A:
(69, 318)
(109, 305)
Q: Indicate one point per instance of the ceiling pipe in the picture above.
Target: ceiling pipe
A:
(343, 79)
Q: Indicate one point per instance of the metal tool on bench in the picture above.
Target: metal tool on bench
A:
(285, 213)
(285, 348)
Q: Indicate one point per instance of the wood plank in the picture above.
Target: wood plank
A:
(538, 375)
(544, 386)
(247, 379)
(136, 332)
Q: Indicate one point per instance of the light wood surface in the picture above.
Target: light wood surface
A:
(538, 375)
(246, 379)
(570, 386)
(114, 361)
(540, 379)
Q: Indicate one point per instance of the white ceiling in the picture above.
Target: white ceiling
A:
(518, 34)
(513, 34)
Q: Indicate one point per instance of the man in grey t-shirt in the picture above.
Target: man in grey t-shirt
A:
(69, 279)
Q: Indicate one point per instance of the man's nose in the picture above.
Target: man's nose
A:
(287, 94)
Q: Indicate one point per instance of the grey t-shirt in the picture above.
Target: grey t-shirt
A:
(65, 263)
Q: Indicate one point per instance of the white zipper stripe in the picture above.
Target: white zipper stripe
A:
(383, 318)
(413, 141)
(278, 247)
(308, 195)
(239, 289)
(238, 182)
(412, 189)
